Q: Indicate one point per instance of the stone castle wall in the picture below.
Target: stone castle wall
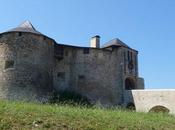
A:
(26, 63)
(33, 65)
(95, 73)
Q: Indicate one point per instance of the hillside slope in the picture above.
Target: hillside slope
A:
(30, 116)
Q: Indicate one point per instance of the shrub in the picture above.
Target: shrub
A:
(69, 97)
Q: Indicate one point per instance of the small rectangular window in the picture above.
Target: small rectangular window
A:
(9, 64)
(20, 34)
(81, 77)
(59, 51)
(1, 35)
(86, 51)
(44, 37)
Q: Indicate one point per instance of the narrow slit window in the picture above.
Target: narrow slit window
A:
(131, 56)
(128, 56)
(124, 62)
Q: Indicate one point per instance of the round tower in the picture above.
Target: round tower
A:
(26, 62)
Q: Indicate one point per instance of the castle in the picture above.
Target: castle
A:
(33, 65)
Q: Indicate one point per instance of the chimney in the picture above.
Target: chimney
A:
(95, 41)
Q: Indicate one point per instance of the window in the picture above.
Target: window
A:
(1, 35)
(44, 37)
(81, 77)
(124, 56)
(136, 68)
(86, 51)
(131, 55)
(59, 51)
(130, 65)
(20, 34)
(61, 75)
(9, 64)
(128, 56)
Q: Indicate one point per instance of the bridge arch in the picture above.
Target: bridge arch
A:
(159, 108)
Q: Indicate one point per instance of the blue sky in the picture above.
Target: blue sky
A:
(146, 25)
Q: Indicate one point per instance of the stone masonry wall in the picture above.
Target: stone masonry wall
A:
(94, 73)
(145, 100)
(26, 62)
(130, 66)
(32, 65)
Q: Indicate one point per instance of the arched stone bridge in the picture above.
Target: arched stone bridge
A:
(151, 99)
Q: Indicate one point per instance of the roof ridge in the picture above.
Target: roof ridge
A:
(115, 42)
(27, 24)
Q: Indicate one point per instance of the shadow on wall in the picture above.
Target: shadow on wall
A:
(128, 100)
(128, 97)
(130, 84)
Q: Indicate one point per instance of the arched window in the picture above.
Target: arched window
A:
(159, 109)
(129, 84)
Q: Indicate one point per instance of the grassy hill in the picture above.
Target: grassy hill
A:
(30, 116)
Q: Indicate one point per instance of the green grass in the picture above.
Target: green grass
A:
(31, 116)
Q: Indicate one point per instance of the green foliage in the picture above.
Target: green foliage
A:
(69, 97)
(130, 107)
(31, 116)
